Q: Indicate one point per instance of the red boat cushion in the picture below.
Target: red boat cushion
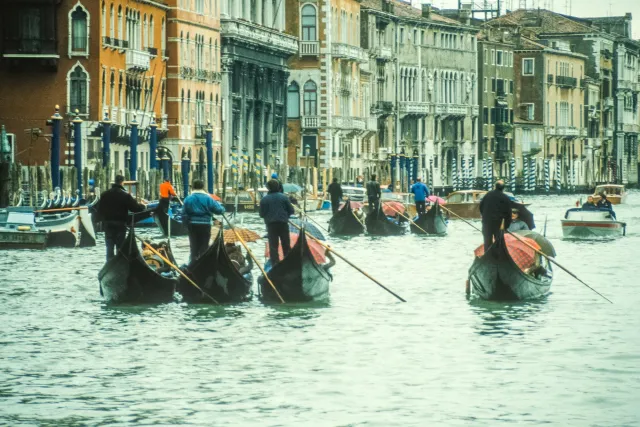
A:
(522, 255)
(317, 250)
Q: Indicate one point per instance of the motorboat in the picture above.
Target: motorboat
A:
(616, 193)
(579, 223)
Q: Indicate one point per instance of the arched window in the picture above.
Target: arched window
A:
(78, 82)
(215, 56)
(293, 101)
(310, 98)
(151, 32)
(182, 111)
(120, 34)
(309, 23)
(112, 89)
(145, 32)
(104, 20)
(79, 30)
(112, 24)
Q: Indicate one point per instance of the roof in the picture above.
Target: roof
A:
(543, 21)
(405, 10)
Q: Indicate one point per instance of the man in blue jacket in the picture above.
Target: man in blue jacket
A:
(275, 209)
(198, 211)
(420, 193)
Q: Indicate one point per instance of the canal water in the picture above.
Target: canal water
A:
(365, 359)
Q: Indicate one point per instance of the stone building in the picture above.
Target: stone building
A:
(95, 57)
(329, 89)
(255, 51)
(193, 82)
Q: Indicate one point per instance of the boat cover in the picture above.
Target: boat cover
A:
(522, 255)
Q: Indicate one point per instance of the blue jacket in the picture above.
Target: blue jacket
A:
(199, 207)
(275, 207)
(421, 191)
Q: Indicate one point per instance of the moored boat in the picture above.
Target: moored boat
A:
(68, 229)
(495, 275)
(616, 193)
(433, 222)
(591, 223)
(298, 277)
(218, 276)
(18, 230)
(128, 279)
(345, 222)
(465, 203)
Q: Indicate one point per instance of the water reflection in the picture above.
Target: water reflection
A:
(501, 319)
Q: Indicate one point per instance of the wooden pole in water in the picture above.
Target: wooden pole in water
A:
(350, 263)
(264, 273)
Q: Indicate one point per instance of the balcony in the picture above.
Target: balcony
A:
(451, 110)
(346, 51)
(414, 108)
(115, 42)
(137, 60)
(567, 131)
(608, 133)
(372, 124)
(309, 48)
(475, 110)
(265, 38)
(30, 48)
(122, 117)
(503, 129)
(531, 147)
(106, 41)
(608, 102)
(114, 114)
(382, 108)
(125, 44)
(583, 132)
(164, 124)
(568, 82)
(201, 74)
(594, 142)
(310, 122)
(348, 122)
(382, 52)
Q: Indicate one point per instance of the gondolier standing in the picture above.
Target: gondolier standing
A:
(198, 211)
(275, 209)
(495, 207)
(335, 190)
(373, 195)
(275, 176)
(166, 192)
(420, 193)
(113, 209)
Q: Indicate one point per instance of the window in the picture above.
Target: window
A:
(293, 101)
(486, 56)
(485, 85)
(309, 23)
(112, 24)
(499, 58)
(527, 66)
(163, 33)
(310, 98)
(485, 116)
(79, 33)
(120, 36)
(151, 32)
(422, 37)
(511, 86)
(78, 81)
(493, 84)
(493, 57)
(401, 35)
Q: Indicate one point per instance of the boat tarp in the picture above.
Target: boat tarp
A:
(522, 255)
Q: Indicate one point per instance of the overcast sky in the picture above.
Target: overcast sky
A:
(582, 8)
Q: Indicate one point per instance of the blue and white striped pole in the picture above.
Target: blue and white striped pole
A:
(532, 174)
(525, 174)
(485, 173)
(547, 176)
(559, 174)
(431, 173)
(512, 173)
(454, 172)
(489, 174)
(472, 174)
(463, 169)
(573, 175)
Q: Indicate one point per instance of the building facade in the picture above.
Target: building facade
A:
(97, 58)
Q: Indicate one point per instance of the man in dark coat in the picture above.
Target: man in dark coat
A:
(335, 190)
(275, 176)
(604, 203)
(373, 195)
(113, 208)
(275, 209)
(495, 208)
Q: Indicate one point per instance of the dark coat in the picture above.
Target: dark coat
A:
(335, 189)
(604, 203)
(115, 205)
(275, 207)
(494, 207)
(373, 190)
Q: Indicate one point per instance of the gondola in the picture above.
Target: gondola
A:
(297, 277)
(433, 222)
(127, 279)
(216, 274)
(380, 225)
(345, 223)
(160, 216)
(495, 276)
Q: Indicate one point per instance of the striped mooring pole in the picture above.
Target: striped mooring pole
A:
(512, 174)
(485, 173)
(472, 174)
(463, 170)
(547, 176)
(454, 172)
(532, 174)
(558, 174)
(525, 173)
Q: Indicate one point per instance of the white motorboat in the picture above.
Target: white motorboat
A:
(592, 223)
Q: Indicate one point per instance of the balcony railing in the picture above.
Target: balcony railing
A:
(382, 52)
(567, 131)
(164, 124)
(411, 107)
(310, 122)
(106, 41)
(29, 48)
(583, 132)
(137, 60)
(382, 107)
(115, 42)
(346, 51)
(308, 48)
(451, 109)
(125, 44)
(475, 110)
(531, 147)
(565, 81)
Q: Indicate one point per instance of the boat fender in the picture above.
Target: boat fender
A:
(24, 228)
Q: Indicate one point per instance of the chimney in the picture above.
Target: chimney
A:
(426, 10)
(465, 16)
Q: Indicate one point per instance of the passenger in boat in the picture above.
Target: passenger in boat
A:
(495, 208)
(603, 202)
(275, 209)
(373, 195)
(275, 176)
(166, 193)
(242, 264)
(335, 190)
(590, 204)
(420, 193)
(198, 212)
(113, 209)
(152, 259)
(516, 223)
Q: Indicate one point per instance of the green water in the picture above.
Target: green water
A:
(365, 359)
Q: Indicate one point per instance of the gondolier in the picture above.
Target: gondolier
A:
(495, 208)
(275, 209)
(420, 193)
(335, 190)
(198, 211)
(275, 176)
(373, 194)
(166, 192)
(113, 209)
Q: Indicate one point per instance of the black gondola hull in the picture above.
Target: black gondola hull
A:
(217, 276)
(178, 228)
(433, 222)
(345, 223)
(127, 279)
(379, 225)
(298, 278)
(496, 277)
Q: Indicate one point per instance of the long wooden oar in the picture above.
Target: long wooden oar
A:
(170, 264)
(62, 209)
(351, 264)
(297, 209)
(406, 217)
(550, 259)
(357, 219)
(264, 273)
